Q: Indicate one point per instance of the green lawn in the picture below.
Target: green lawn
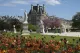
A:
(53, 37)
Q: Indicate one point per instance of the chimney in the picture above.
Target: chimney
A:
(37, 7)
(43, 8)
(31, 7)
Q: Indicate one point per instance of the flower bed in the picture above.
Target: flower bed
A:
(20, 44)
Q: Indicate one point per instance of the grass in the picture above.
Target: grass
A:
(71, 40)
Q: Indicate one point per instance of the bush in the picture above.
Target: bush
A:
(32, 27)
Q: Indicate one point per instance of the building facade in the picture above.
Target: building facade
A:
(36, 14)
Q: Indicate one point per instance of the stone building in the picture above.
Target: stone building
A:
(36, 14)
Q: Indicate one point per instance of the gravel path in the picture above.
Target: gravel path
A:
(72, 34)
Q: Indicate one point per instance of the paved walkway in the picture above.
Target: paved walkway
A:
(73, 34)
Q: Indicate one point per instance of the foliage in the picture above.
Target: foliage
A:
(32, 27)
(17, 23)
(1, 24)
(46, 22)
(7, 23)
(57, 23)
(52, 23)
(76, 21)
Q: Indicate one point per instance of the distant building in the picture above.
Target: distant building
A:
(36, 14)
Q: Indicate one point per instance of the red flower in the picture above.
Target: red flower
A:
(64, 51)
(53, 52)
(7, 45)
(28, 44)
(70, 50)
(11, 51)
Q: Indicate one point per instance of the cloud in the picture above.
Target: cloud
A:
(7, 4)
(52, 2)
(19, 2)
(26, 2)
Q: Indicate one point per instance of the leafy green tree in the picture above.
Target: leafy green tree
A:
(17, 23)
(32, 27)
(1, 25)
(7, 22)
(76, 21)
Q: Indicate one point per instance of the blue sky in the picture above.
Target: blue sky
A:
(60, 8)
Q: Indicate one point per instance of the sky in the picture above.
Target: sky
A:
(61, 8)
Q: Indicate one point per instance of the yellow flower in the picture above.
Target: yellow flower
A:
(4, 51)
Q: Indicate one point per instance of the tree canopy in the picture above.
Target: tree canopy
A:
(52, 23)
(76, 21)
(7, 23)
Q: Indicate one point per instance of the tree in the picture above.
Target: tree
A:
(32, 27)
(54, 23)
(17, 23)
(1, 25)
(7, 23)
(57, 23)
(76, 21)
(46, 22)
